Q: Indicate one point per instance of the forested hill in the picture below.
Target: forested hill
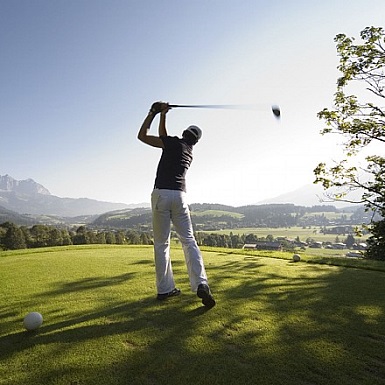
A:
(209, 217)
(11, 216)
(217, 216)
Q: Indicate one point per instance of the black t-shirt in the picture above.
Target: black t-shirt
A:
(174, 163)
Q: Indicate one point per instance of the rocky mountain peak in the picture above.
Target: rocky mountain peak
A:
(28, 197)
(26, 186)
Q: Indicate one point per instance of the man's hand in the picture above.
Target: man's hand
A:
(158, 107)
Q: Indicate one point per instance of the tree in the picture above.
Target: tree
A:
(376, 243)
(361, 122)
(80, 238)
(29, 241)
(101, 237)
(133, 238)
(66, 237)
(349, 241)
(120, 238)
(55, 237)
(91, 237)
(145, 239)
(110, 238)
(14, 238)
(40, 235)
(270, 238)
(251, 238)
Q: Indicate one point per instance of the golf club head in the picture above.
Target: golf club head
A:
(276, 111)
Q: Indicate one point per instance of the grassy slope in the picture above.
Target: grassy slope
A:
(276, 322)
(290, 233)
(217, 213)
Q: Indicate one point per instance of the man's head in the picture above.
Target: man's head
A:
(192, 134)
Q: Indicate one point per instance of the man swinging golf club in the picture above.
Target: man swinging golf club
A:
(168, 202)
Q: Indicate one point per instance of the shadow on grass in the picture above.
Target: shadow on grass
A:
(275, 323)
(89, 283)
(144, 330)
(323, 316)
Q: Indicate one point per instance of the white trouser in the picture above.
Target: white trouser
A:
(171, 206)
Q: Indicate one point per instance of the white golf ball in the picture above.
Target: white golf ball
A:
(296, 257)
(33, 320)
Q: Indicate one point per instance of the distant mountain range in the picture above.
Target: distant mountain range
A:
(311, 195)
(30, 197)
(23, 201)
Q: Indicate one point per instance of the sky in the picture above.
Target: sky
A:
(77, 78)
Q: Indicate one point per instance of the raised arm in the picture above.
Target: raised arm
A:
(162, 131)
(143, 135)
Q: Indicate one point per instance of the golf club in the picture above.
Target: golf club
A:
(275, 109)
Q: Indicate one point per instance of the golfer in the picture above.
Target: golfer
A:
(168, 202)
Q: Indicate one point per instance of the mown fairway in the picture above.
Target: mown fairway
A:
(276, 322)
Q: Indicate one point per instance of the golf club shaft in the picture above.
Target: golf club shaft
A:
(219, 106)
(255, 107)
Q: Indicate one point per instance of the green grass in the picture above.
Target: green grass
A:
(329, 215)
(217, 213)
(313, 232)
(276, 322)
